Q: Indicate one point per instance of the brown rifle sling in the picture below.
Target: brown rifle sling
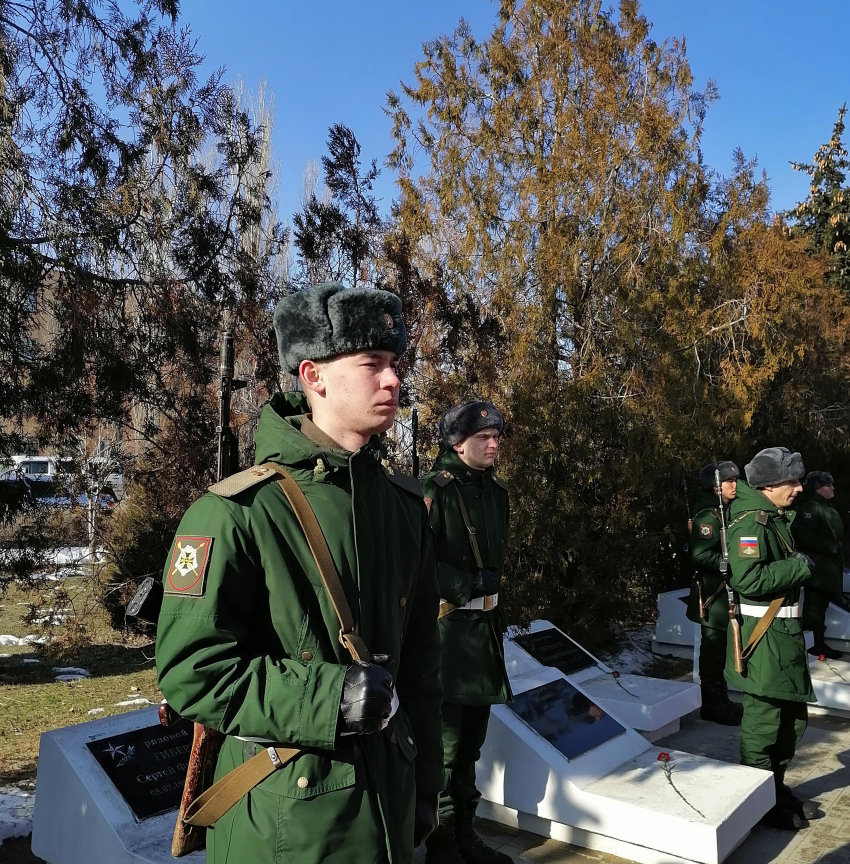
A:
(222, 795)
(761, 628)
(708, 603)
(446, 608)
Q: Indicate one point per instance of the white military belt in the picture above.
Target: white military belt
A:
(482, 604)
(761, 611)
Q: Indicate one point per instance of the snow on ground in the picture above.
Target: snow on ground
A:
(70, 673)
(16, 806)
(139, 700)
(22, 640)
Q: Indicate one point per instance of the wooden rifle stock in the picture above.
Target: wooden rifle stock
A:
(700, 595)
(737, 646)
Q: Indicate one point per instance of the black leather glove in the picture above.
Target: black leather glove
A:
(801, 556)
(425, 816)
(483, 583)
(367, 696)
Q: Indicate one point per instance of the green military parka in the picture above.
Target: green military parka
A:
(473, 667)
(762, 568)
(705, 556)
(251, 648)
(819, 532)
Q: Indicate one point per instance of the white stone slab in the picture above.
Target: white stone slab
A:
(648, 705)
(673, 626)
(80, 817)
(616, 797)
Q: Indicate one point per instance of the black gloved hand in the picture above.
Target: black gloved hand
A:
(483, 583)
(801, 556)
(367, 696)
(425, 816)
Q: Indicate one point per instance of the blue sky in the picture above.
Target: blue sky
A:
(781, 67)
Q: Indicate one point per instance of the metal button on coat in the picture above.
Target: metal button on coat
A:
(402, 602)
(307, 656)
(303, 782)
(409, 740)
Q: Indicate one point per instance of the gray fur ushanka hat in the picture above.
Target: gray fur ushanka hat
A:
(728, 471)
(816, 479)
(461, 421)
(773, 466)
(326, 320)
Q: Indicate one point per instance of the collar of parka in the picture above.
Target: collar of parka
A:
(287, 436)
(448, 460)
(748, 499)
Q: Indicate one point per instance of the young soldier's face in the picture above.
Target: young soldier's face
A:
(784, 494)
(479, 450)
(827, 492)
(728, 489)
(358, 391)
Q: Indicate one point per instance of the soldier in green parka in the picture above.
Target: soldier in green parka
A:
(819, 533)
(465, 494)
(248, 639)
(764, 566)
(709, 585)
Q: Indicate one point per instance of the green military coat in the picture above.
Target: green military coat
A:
(247, 644)
(705, 556)
(473, 666)
(819, 532)
(762, 568)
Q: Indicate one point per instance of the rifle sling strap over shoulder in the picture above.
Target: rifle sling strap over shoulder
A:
(222, 795)
(447, 608)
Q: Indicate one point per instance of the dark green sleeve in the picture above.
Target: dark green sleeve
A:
(755, 575)
(419, 689)
(812, 535)
(208, 665)
(705, 550)
(455, 585)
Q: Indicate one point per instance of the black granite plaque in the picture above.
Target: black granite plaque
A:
(685, 599)
(552, 648)
(147, 766)
(566, 718)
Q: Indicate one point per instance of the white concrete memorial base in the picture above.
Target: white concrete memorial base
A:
(652, 706)
(80, 817)
(674, 633)
(615, 796)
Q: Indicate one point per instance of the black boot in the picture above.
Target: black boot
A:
(442, 845)
(473, 849)
(821, 648)
(807, 810)
(783, 819)
(716, 706)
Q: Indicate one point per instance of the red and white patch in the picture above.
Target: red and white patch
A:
(189, 559)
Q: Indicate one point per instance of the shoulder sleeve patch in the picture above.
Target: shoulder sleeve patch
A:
(444, 478)
(706, 531)
(499, 482)
(187, 569)
(409, 484)
(748, 547)
(237, 483)
(761, 517)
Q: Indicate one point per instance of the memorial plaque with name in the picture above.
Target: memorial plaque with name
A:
(552, 648)
(147, 766)
(566, 718)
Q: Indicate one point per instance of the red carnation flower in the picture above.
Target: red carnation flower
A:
(616, 674)
(822, 657)
(663, 757)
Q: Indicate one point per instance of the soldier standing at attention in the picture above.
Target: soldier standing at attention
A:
(469, 515)
(819, 533)
(767, 573)
(709, 589)
(249, 642)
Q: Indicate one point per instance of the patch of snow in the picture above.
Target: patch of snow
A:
(16, 807)
(96, 711)
(67, 678)
(4, 656)
(138, 701)
(22, 640)
(71, 670)
(31, 661)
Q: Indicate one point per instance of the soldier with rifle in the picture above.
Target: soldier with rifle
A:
(469, 515)
(819, 533)
(771, 666)
(300, 608)
(707, 602)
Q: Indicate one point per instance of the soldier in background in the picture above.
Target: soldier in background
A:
(249, 641)
(819, 533)
(708, 589)
(775, 681)
(469, 516)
